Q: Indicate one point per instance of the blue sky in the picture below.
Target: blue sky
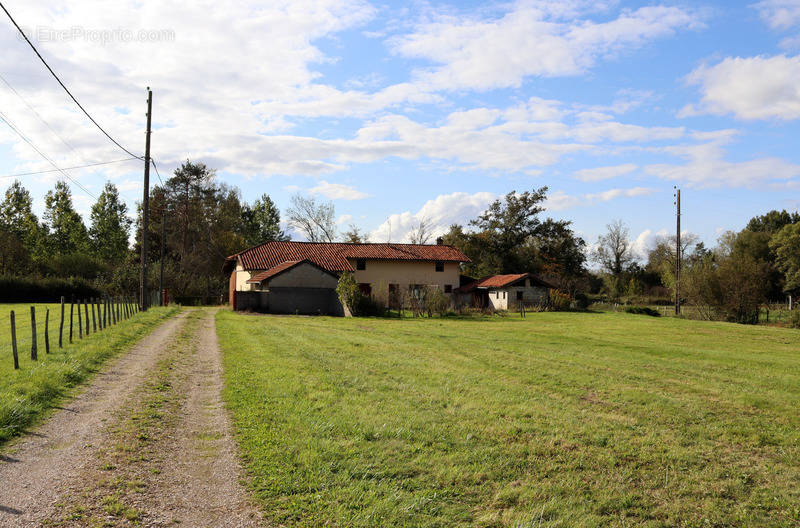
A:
(404, 111)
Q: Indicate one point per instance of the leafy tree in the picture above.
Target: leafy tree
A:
(314, 220)
(261, 222)
(202, 221)
(510, 237)
(23, 235)
(772, 222)
(786, 245)
(67, 234)
(110, 227)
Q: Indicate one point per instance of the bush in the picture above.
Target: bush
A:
(20, 289)
(794, 319)
(642, 310)
(582, 301)
(559, 301)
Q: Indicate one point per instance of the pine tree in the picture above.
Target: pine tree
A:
(21, 229)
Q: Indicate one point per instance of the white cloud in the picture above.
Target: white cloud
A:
(646, 240)
(749, 88)
(560, 201)
(441, 212)
(779, 14)
(344, 219)
(531, 39)
(605, 173)
(337, 191)
(706, 167)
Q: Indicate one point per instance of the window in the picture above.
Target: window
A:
(504, 295)
(519, 295)
(361, 264)
(448, 288)
(366, 288)
(440, 266)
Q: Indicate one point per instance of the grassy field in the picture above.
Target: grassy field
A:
(561, 419)
(27, 393)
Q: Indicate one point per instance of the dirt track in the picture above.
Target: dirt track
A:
(148, 443)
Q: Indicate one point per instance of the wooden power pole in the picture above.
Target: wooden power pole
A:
(161, 274)
(678, 253)
(143, 296)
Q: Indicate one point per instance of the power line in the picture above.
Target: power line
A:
(42, 154)
(62, 84)
(157, 173)
(66, 168)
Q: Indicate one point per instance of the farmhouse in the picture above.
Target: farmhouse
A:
(301, 277)
(504, 292)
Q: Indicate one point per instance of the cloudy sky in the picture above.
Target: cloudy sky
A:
(398, 111)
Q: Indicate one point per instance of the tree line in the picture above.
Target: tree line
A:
(731, 281)
(202, 220)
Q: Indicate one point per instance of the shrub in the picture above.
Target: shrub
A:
(582, 301)
(20, 289)
(559, 301)
(643, 310)
(794, 319)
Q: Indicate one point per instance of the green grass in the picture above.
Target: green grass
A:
(26, 394)
(560, 419)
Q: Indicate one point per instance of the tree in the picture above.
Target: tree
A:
(421, 233)
(355, 235)
(23, 236)
(314, 220)
(614, 251)
(67, 234)
(772, 222)
(786, 245)
(203, 224)
(110, 227)
(261, 222)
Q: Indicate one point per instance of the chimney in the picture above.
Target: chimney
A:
(439, 241)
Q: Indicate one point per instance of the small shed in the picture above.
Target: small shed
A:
(505, 292)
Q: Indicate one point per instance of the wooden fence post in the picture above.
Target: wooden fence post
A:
(61, 326)
(86, 313)
(105, 311)
(47, 331)
(14, 341)
(34, 343)
(113, 312)
(80, 321)
(71, 312)
(94, 319)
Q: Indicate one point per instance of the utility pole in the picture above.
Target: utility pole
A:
(143, 296)
(161, 275)
(678, 253)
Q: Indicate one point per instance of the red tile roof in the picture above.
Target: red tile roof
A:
(501, 281)
(280, 268)
(333, 256)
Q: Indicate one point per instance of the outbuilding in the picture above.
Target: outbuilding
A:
(505, 292)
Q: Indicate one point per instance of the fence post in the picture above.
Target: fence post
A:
(61, 326)
(80, 321)
(47, 331)
(99, 317)
(105, 311)
(86, 313)
(94, 319)
(14, 341)
(34, 344)
(71, 312)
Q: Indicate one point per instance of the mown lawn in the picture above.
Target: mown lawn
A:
(26, 394)
(560, 419)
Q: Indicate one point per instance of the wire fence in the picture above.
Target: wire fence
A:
(29, 331)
